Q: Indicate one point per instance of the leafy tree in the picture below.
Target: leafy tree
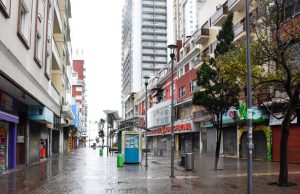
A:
(219, 93)
(276, 65)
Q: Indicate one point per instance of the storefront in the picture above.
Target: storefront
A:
(186, 137)
(8, 132)
(261, 135)
(40, 130)
(230, 132)
(44, 143)
(293, 154)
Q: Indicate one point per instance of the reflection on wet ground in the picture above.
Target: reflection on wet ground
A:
(84, 171)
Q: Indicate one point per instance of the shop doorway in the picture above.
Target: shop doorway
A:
(43, 149)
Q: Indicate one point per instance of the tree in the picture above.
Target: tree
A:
(276, 64)
(101, 131)
(219, 93)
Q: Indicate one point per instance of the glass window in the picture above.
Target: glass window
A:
(182, 91)
(24, 20)
(3, 145)
(5, 5)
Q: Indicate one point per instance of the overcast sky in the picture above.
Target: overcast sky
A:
(96, 28)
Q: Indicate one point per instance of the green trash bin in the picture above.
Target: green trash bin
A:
(101, 152)
(120, 160)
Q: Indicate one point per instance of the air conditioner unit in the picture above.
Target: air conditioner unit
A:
(218, 6)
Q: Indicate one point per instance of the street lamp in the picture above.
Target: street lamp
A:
(249, 102)
(172, 48)
(146, 78)
(90, 133)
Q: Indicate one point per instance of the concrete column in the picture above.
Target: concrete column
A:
(27, 133)
(50, 142)
(61, 141)
(12, 146)
(200, 140)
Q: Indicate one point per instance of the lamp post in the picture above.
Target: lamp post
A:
(90, 133)
(249, 102)
(172, 48)
(146, 78)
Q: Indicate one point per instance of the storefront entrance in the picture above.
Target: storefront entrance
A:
(260, 145)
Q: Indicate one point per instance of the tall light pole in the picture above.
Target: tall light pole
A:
(90, 133)
(249, 102)
(172, 48)
(146, 118)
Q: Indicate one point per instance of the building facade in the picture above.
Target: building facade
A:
(79, 101)
(33, 79)
(144, 45)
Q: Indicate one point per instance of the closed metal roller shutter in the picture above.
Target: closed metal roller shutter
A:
(211, 140)
(34, 142)
(293, 143)
(230, 140)
(260, 145)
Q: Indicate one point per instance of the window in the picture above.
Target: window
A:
(78, 97)
(78, 89)
(193, 85)
(181, 72)
(186, 68)
(24, 23)
(48, 62)
(164, 95)
(182, 92)
(5, 7)
(38, 48)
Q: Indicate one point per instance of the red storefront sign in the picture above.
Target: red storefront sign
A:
(167, 129)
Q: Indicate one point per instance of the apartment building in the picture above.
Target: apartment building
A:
(185, 18)
(264, 125)
(79, 103)
(30, 68)
(144, 45)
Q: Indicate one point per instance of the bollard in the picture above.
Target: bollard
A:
(101, 152)
(120, 160)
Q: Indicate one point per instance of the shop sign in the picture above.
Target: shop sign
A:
(167, 130)
(275, 121)
(258, 116)
(40, 114)
(6, 102)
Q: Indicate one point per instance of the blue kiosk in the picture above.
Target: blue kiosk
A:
(131, 147)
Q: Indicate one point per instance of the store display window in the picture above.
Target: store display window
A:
(3, 145)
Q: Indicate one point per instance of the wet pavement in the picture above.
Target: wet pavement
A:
(84, 171)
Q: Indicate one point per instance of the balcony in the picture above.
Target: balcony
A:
(220, 16)
(54, 94)
(235, 5)
(148, 3)
(187, 58)
(57, 28)
(201, 36)
(77, 82)
(239, 31)
(67, 111)
(200, 116)
(56, 62)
